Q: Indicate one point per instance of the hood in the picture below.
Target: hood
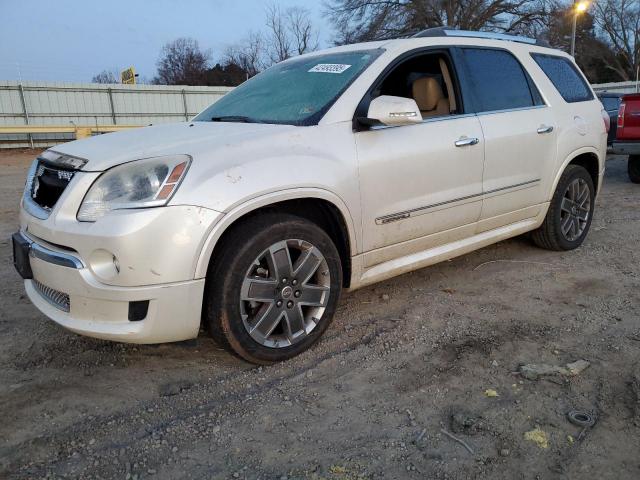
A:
(105, 151)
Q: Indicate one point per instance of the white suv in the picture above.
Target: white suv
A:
(331, 170)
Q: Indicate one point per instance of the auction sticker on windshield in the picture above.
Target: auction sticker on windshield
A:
(329, 68)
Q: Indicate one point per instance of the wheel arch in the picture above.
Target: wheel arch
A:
(319, 206)
(584, 157)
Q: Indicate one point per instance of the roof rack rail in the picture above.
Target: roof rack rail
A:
(452, 32)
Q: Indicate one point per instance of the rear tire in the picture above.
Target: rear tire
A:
(570, 212)
(272, 288)
(633, 167)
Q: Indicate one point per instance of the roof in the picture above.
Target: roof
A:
(453, 32)
(447, 35)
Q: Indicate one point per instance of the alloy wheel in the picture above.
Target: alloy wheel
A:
(284, 293)
(575, 209)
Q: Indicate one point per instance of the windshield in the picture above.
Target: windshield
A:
(296, 92)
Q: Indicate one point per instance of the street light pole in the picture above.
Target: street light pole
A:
(573, 34)
(578, 8)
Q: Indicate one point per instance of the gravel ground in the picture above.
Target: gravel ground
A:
(431, 351)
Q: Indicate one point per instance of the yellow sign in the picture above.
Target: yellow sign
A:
(128, 76)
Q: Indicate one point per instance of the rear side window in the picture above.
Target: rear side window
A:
(565, 77)
(498, 80)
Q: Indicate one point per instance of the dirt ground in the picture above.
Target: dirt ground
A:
(404, 360)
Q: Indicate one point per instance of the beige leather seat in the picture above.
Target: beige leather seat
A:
(428, 95)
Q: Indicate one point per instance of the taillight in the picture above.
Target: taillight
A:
(621, 115)
(606, 119)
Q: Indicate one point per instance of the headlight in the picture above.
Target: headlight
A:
(139, 184)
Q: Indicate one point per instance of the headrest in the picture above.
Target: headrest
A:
(427, 93)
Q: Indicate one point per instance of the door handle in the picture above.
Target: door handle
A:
(545, 129)
(466, 142)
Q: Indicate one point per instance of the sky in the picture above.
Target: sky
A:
(72, 40)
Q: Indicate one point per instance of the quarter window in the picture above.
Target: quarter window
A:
(498, 80)
(565, 77)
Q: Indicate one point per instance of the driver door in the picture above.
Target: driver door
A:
(421, 185)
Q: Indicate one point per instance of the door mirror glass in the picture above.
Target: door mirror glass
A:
(394, 111)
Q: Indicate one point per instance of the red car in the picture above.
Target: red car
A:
(628, 135)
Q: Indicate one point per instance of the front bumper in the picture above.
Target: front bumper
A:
(86, 275)
(102, 311)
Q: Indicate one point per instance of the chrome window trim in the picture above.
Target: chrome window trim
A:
(393, 217)
(507, 110)
(424, 120)
(50, 256)
(453, 117)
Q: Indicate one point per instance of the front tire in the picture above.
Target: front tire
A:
(633, 167)
(570, 212)
(273, 287)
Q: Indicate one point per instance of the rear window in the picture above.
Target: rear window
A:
(499, 81)
(565, 77)
(610, 103)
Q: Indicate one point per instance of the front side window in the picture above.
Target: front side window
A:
(498, 80)
(296, 92)
(427, 79)
(565, 77)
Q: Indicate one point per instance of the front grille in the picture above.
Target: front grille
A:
(58, 299)
(48, 184)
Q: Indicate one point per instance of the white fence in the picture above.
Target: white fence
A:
(618, 87)
(90, 104)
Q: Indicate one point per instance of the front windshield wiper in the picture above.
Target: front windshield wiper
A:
(235, 118)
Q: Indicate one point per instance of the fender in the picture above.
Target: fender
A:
(255, 203)
(569, 159)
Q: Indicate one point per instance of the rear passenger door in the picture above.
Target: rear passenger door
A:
(519, 135)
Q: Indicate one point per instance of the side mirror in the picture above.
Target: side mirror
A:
(394, 111)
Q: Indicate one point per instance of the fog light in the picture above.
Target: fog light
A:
(104, 264)
(138, 310)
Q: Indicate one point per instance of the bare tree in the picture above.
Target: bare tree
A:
(105, 76)
(592, 54)
(182, 63)
(303, 35)
(248, 55)
(619, 22)
(278, 38)
(363, 20)
(289, 32)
